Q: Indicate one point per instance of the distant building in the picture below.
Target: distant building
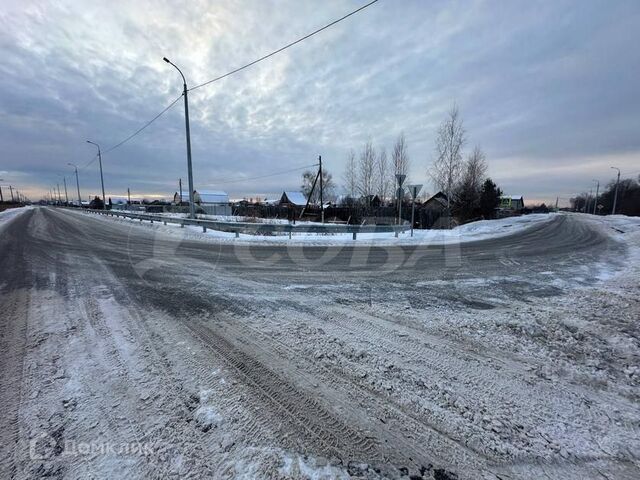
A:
(512, 202)
(212, 202)
(370, 201)
(434, 212)
(293, 199)
(210, 197)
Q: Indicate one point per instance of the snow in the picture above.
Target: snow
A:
(544, 387)
(297, 198)
(7, 215)
(481, 230)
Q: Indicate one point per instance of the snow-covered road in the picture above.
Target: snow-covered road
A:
(130, 351)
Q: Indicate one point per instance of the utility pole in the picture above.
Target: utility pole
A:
(595, 202)
(11, 190)
(400, 178)
(59, 196)
(556, 204)
(66, 195)
(615, 197)
(77, 184)
(321, 198)
(192, 210)
(128, 196)
(1, 197)
(104, 202)
(180, 184)
(414, 190)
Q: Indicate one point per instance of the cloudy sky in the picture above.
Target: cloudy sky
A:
(549, 90)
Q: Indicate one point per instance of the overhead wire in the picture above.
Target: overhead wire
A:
(137, 132)
(264, 57)
(237, 180)
(289, 45)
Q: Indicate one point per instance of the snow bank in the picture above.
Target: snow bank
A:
(7, 215)
(475, 231)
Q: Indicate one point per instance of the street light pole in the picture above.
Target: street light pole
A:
(104, 202)
(66, 195)
(615, 197)
(192, 211)
(77, 184)
(595, 203)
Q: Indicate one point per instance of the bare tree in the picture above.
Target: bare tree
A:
(328, 186)
(351, 174)
(384, 178)
(367, 170)
(445, 170)
(468, 190)
(400, 156)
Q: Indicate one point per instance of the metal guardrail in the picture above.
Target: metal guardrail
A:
(257, 228)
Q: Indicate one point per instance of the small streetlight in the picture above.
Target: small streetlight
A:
(192, 212)
(77, 184)
(104, 202)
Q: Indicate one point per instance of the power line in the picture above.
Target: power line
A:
(285, 47)
(237, 180)
(144, 126)
(119, 144)
(275, 52)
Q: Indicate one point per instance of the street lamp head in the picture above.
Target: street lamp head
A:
(166, 59)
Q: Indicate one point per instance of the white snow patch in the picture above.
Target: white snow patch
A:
(207, 415)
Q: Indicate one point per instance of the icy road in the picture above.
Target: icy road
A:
(128, 351)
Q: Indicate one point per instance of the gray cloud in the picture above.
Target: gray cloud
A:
(548, 89)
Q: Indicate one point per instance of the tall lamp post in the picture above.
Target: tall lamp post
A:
(192, 211)
(615, 197)
(104, 202)
(77, 184)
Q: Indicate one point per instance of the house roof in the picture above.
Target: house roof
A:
(438, 198)
(213, 196)
(295, 198)
(513, 197)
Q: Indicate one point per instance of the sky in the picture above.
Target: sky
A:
(547, 89)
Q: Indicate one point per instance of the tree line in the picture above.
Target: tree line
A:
(469, 191)
(627, 203)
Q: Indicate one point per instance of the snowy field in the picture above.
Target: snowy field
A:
(512, 353)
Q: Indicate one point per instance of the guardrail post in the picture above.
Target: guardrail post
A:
(289, 234)
(182, 225)
(396, 233)
(354, 235)
(165, 222)
(237, 234)
(204, 229)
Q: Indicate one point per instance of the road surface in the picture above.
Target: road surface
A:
(129, 352)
